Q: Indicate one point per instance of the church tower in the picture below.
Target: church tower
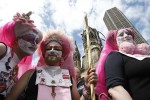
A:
(95, 46)
(76, 57)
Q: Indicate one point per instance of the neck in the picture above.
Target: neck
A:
(19, 53)
(56, 64)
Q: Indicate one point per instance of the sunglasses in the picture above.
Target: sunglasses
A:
(30, 38)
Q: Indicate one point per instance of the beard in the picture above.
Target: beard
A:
(53, 60)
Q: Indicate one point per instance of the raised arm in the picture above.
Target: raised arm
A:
(19, 86)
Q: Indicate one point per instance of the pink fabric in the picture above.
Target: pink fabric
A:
(142, 48)
(62, 93)
(7, 35)
(68, 48)
(127, 47)
(109, 45)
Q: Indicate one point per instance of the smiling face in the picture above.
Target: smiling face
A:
(28, 42)
(53, 53)
(124, 36)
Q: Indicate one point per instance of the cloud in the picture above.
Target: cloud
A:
(69, 14)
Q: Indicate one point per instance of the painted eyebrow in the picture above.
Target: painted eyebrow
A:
(55, 47)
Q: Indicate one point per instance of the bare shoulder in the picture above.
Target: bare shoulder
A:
(26, 76)
(3, 48)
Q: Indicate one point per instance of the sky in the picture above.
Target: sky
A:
(68, 15)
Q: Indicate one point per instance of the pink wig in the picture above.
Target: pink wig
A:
(7, 33)
(68, 48)
(109, 45)
(11, 30)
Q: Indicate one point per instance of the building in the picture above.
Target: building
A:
(95, 46)
(115, 19)
(76, 57)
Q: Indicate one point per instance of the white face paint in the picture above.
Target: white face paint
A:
(53, 53)
(26, 46)
(54, 49)
(124, 36)
(28, 42)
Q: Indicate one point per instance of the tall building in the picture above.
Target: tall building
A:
(95, 46)
(115, 19)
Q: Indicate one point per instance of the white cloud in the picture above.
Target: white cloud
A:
(134, 11)
(69, 14)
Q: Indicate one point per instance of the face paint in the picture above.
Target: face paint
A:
(124, 36)
(31, 37)
(53, 52)
(26, 46)
(28, 42)
(54, 49)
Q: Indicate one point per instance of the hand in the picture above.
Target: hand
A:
(91, 77)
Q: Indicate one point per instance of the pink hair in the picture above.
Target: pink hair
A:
(7, 33)
(109, 45)
(8, 36)
(68, 49)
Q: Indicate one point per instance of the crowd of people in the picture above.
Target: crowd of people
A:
(122, 72)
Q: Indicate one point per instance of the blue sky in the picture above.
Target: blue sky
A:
(68, 15)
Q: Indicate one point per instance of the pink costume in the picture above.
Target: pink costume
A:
(62, 81)
(109, 45)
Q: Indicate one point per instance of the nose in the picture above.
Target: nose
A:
(52, 49)
(125, 35)
(34, 43)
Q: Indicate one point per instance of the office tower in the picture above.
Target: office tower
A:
(115, 19)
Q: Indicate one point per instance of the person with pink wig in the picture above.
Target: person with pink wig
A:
(18, 41)
(123, 68)
(54, 77)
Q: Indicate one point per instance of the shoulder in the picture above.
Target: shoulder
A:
(114, 57)
(28, 74)
(3, 49)
(114, 54)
